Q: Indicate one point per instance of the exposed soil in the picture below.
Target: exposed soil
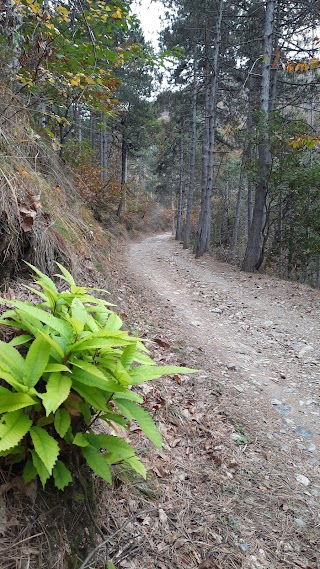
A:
(263, 333)
(238, 477)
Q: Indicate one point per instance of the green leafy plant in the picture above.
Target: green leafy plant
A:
(69, 364)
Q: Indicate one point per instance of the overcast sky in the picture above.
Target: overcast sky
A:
(149, 13)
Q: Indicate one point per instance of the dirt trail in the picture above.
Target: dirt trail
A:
(264, 332)
(253, 485)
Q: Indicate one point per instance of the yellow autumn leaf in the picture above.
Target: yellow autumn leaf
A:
(75, 81)
(117, 15)
(63, 10)
(35, 8)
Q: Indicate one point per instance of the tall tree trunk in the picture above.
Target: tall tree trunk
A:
(204, 224)
(235, 234)
(124, 173)
(180, 196)
(255, 247)
(205, 146)
(78, 123)
(173, 209)
(187, 230)
(93, 135)
(104, 149)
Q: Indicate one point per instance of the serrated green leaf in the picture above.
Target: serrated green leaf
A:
(37, 292)
(131, 395)
(110, 565)
(42, 471)
(29, 472)
(146, 373)
(121, 374)
(79, 313)
(52, 342)
(93, 379)
(45, 317)
(53, 368)
(14, 450)
(114, 322)
(62, 475)
(112, 417)
(96, 398)
(110, 443)
(91, 323)
(13, 428)
(20, 340)
(103, 340)
(66, 275)
(11, 360)
(62, 422)
(128, 355)
(136, 465)
(12, 381)
(58, 389)
(45, 446)
(14, 401)
(43, 278)
(97, 463)
(86, 412)
(36, 361)
(146, 424)
(80, 440)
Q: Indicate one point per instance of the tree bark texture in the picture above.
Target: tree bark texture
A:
(104, 149)
(124, 174)
(180, 208)
(187, 230)
(255, 246)
(204, 224)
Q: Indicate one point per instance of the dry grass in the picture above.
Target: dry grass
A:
(30, 167)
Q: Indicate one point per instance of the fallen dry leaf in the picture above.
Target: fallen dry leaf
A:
(159, 470)
(178, 378)
(162, 342)
(163, 517)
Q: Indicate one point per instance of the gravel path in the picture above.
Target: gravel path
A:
(247, 465)
(262, 332)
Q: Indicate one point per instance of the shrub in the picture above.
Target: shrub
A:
(70, 364)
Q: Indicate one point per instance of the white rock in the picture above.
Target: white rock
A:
(302, 479)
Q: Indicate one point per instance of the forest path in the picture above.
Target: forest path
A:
(263, 333)
(239, 471)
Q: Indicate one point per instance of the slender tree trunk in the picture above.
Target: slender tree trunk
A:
(180, 196)
(93, 135)
(235, 234)
(78, 123)
(254, 252)
(187, 230)
(205, 146)
(204, 224)
(104, 149)
(124, 174)
(173, 209)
